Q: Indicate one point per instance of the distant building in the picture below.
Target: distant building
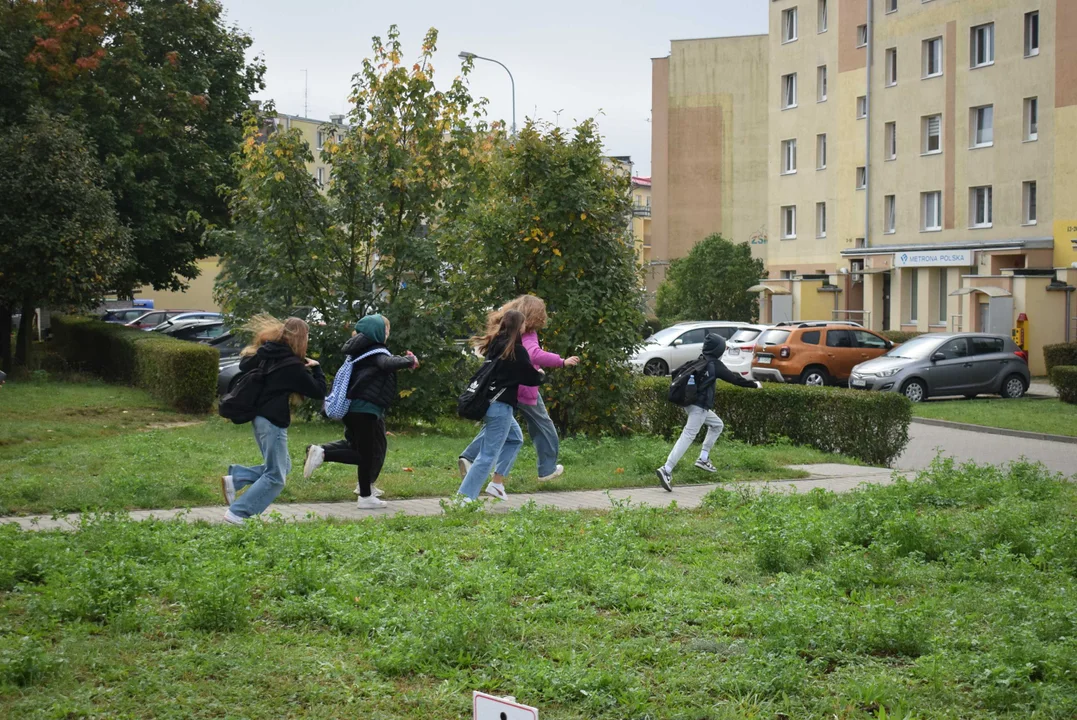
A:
(641, 218)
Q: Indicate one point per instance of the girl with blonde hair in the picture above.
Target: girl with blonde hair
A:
(279, 349)
(539, 425)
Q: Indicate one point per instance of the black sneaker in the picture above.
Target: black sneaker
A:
(665, 479)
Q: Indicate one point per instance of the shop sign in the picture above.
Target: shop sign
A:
(933, 258)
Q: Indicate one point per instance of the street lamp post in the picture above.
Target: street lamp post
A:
(465, 55)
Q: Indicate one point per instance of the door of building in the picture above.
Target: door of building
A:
(886, 301)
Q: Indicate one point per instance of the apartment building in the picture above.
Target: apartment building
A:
(921, 160)
(641, 219)
(316, 133)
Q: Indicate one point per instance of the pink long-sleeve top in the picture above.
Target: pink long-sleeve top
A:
(528, 394)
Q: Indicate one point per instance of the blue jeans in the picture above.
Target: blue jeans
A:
(501, 442)
(542, 431)
(266, 480)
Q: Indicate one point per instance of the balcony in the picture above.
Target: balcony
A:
(641, 210)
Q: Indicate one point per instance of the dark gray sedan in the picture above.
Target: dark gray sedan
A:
(940, 364)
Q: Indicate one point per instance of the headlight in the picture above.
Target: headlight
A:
(887, 373)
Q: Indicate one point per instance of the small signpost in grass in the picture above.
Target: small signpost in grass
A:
(490, 707)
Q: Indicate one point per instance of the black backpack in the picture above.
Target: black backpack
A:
(684, 389)
(477, 396)
(243, 399)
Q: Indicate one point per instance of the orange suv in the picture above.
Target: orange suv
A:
(814, 354)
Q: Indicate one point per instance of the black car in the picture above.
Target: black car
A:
(228, 345)
(227, 370)
(124, 315)
(196, 329)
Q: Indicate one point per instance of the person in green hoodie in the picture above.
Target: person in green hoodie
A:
(372, 390)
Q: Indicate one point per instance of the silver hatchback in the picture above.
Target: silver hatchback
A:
(940, 364)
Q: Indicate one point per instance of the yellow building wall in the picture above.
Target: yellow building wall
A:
(198, 295)
(809, 303)
(1065, 181)
(1046, 317)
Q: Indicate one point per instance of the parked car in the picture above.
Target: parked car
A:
(227, 369)
(740, 349)
(193, 315)
(948, 364)
(670, 348)
(150, 320)
(228, 345)
(816, 323)
(814, 355)
(123, 315)
(195, 329)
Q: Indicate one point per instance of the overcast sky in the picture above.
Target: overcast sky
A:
(581, 58)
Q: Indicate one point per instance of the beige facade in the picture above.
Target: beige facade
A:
(641, 219)
(316, 133)
(950, 129)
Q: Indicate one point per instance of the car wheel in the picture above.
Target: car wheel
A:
(915, 390)
(1013, 387)
(816, 376)
(656, 367)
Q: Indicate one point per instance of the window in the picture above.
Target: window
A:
(890, 214)
(982, 45)
(786, 275)
(861, 35)
(932, 130)
(1028, 194)
(891, 67)
(789, 25)
(693, 337)
(1032, 34)
(810, 337)
(820, 219)
(891, 6)
(839, 338)
(932, 60)
(890, 133)
(983, 126)
(931, 211)
(861, 177)
(914, 294)
(789, 222)
(639, 200)
(865, 339)
(1032, 119)
(986, 345)
(789, 91)
(820, 151)
(954, 349)
(980, 207)
(789, 157)
(943, 295)
(822, 16)
(321, 139)
(861, 107)
(321, 176)
(821, 82)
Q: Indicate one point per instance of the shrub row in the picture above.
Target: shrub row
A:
(182, 374)
(1060, 354)
(872, 427)
(899, 336)
(1064, 378)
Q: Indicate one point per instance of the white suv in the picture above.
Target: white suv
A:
(668, 349)
(740, 349)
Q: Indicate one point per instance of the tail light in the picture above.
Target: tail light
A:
(1021, 354)
(784, 351)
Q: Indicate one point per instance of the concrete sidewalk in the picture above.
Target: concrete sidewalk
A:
(834, 477)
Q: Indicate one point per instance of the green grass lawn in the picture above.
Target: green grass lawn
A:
(1034, 415)
(948, 597)
(73, 446)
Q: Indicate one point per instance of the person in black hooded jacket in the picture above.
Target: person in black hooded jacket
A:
(700, 413)
(280, 348)
(372, 389)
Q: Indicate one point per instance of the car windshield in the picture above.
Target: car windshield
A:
(774, 337)
(745, 335)
(665, 337)
(919, 348)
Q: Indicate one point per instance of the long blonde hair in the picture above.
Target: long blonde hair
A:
(532, 307)
(293, 332)
(509, 327)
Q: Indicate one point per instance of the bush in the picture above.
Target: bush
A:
(1064, 378)
(182, 374)
(1060, 354)
(899, 336)
(872, 427)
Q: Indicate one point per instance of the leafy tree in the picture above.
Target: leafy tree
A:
(711, 283)
(160, 87)
(60, 240)
(553, 219)
(370, 242)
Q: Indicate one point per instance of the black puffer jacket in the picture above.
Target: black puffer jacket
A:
(511, 373)
(713, 348)
(286, 374)
(373, 378)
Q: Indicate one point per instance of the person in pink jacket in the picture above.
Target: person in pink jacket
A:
(539, 425)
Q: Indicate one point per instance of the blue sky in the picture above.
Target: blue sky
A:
(580, 58)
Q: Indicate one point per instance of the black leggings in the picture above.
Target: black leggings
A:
(363, 445)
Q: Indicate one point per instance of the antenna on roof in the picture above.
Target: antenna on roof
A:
(306, 82)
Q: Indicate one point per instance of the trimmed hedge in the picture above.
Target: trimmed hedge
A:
(870, 426)
(182, 374)
(1064, 378)
(899, 336)
(1060, 354)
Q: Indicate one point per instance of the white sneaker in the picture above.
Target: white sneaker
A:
(497, 491)
(371, 503)
(557, 472)
(375, 491)
(665, 479)
(228, 490)
(231, 518)
(315, 457)
(706, 465)
(464, 465)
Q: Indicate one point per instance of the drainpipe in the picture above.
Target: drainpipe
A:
(867, 131)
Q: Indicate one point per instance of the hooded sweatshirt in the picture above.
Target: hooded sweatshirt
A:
(713, 349)
(511, 374)
(528, 394)
(373, 382)
(287, 374)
